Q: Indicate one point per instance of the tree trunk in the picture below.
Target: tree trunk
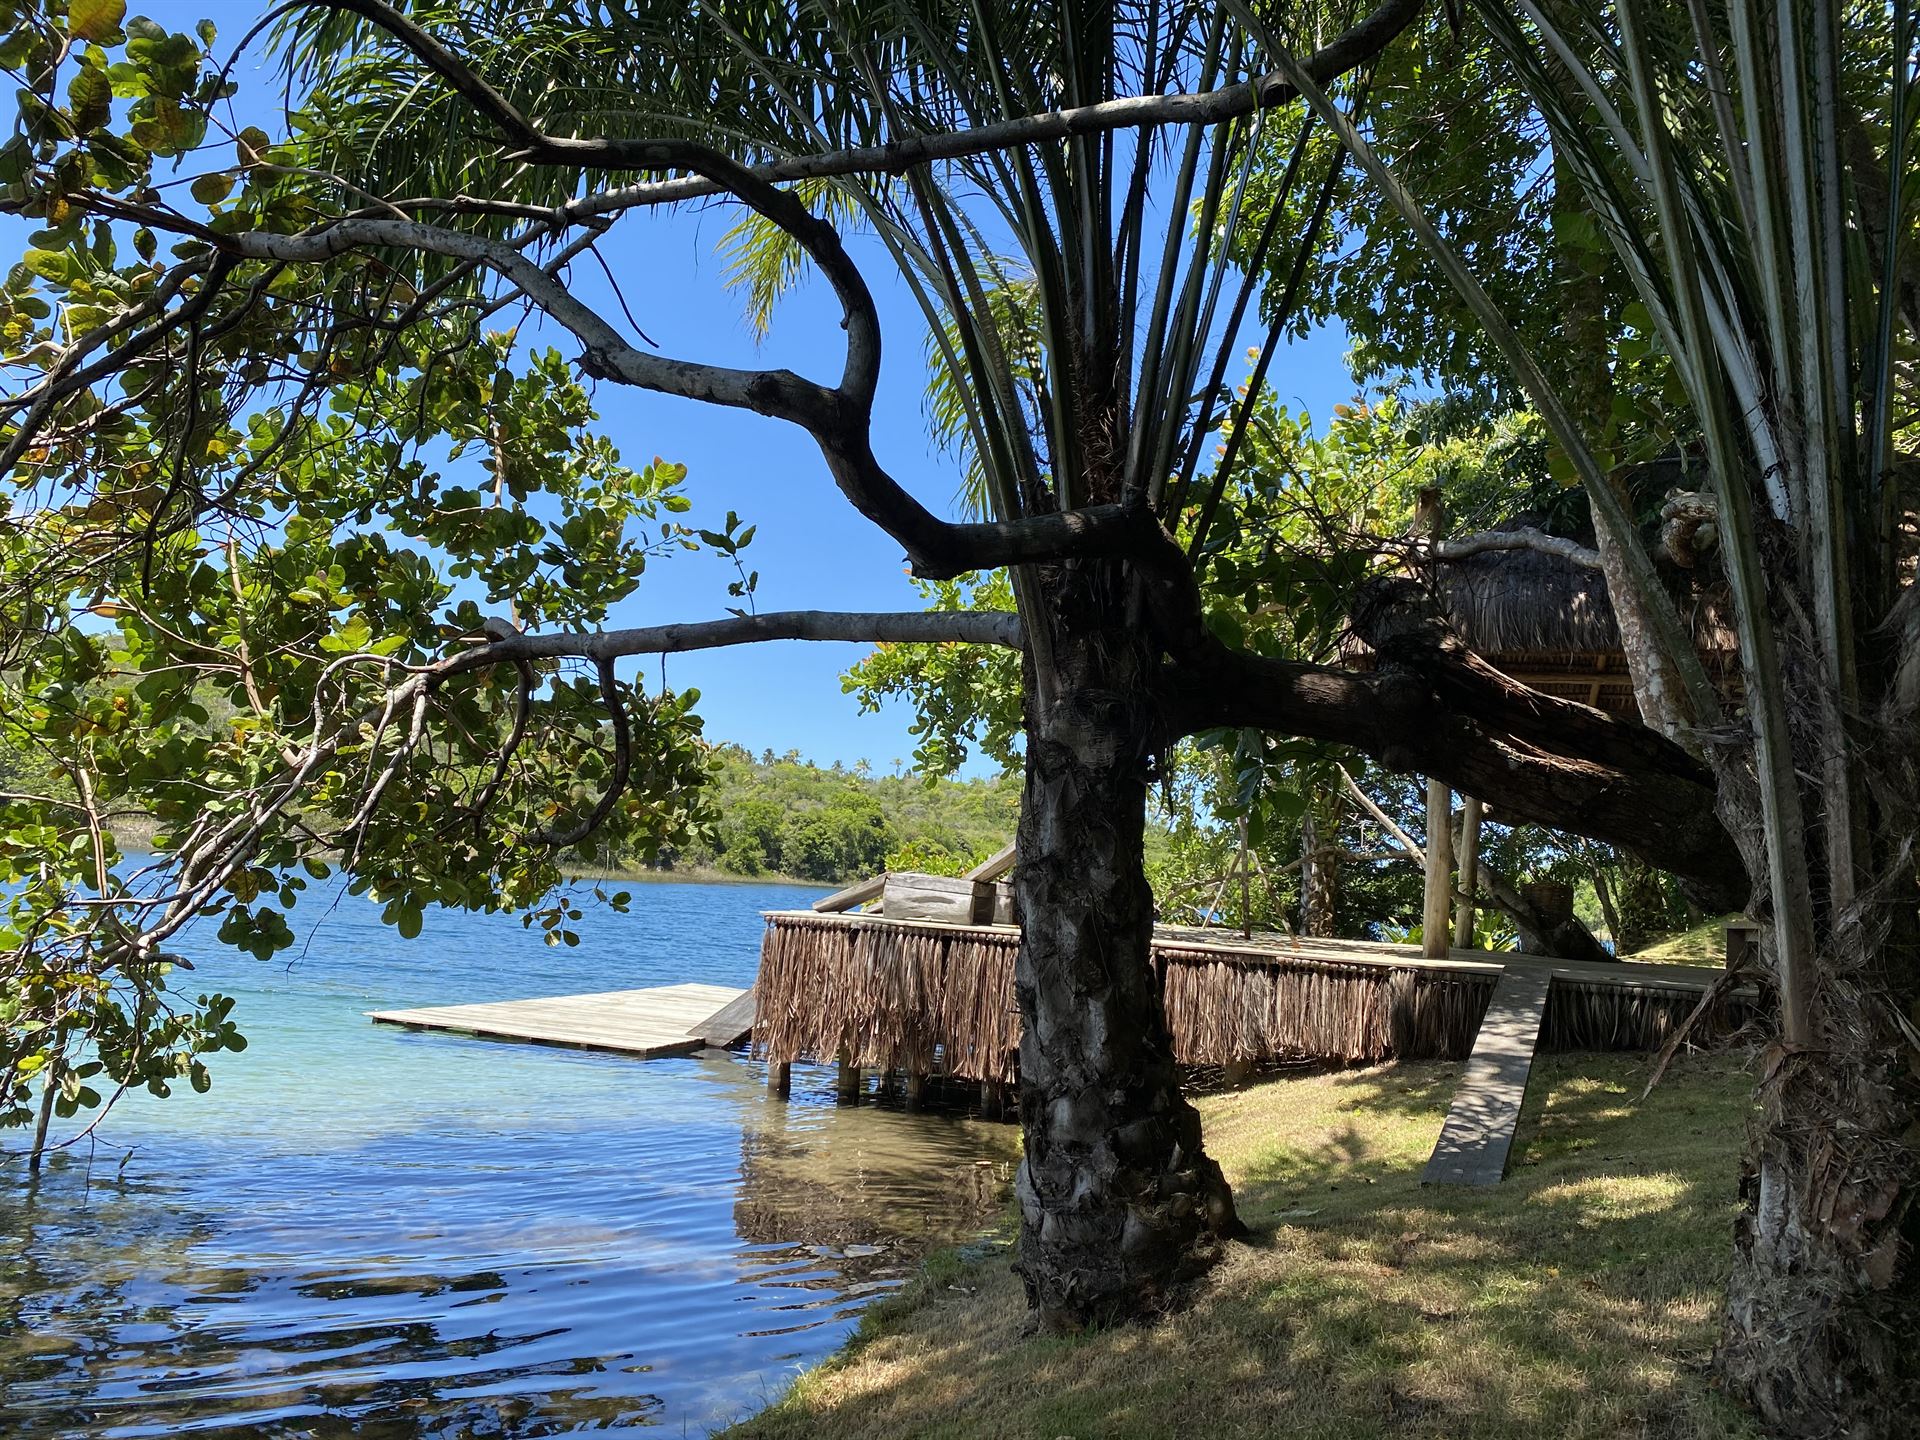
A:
(1119, 1204)
(1823, 1306)
(1319, 875)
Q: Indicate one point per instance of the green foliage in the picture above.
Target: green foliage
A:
(784, 816)
(964, 697)
(259, 683)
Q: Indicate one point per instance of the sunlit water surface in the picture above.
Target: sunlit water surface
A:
(368, 1231)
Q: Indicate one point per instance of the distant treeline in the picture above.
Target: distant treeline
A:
(782, 815)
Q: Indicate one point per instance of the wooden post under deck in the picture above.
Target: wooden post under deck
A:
(1436, 922)
(1470, 814)
(846, 1084)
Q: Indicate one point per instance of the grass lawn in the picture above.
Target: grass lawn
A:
(1705, 944)
(1578, 1299)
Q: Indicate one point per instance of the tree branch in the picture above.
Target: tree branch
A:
(1525, 538)
(1432, 715)
(1354, 46)
(910, 627)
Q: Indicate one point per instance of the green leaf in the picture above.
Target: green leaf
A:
(213, 188)
(48, 265)
(96, 20)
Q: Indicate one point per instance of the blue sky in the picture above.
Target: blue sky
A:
(813, 551)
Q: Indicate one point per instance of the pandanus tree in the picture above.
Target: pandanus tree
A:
(216, 448)
(1747, 166)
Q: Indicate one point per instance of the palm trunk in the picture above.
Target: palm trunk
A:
(1468, 851)
(1823, 1305)
(1119, 1204)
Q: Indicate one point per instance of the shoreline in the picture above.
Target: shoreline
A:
(136, 837)
(697, 875)
(1450, 1295)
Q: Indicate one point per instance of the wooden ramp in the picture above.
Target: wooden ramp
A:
(646, 1024)
(1473, 1144)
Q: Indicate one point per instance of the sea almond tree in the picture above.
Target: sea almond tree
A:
(1060, 187)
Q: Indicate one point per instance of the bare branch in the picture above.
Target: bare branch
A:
(910, 627)
(1525, 538)
(1406, 842)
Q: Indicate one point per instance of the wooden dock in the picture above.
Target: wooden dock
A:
(647, 1024)
(900, 994)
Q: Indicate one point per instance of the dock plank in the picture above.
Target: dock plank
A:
(729, 1025)
(647, 1024)
(1475, 1141)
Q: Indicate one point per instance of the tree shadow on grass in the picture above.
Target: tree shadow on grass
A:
(1577, 1299)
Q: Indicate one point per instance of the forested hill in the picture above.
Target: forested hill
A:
(781, 815)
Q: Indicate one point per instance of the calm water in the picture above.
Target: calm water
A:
(367, 1231)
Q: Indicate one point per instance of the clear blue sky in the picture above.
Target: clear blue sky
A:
(813, 550)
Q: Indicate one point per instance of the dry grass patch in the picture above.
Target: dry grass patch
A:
(1578, 1299)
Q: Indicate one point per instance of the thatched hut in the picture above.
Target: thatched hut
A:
(1537, 608)
(1547, 621)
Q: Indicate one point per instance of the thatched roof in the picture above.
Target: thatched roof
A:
(1547, 621)
(1523, 604)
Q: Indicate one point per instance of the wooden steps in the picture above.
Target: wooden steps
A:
(646, 1024)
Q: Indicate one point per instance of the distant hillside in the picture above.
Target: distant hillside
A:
(781, 815)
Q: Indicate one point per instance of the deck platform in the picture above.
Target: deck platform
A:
(647, 1024)
(892, 993)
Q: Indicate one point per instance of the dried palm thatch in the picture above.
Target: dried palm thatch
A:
(1606, 1017)
(1225, 1008)
(1548, 621)
(1525, 605)
(889, 994)
(897, 994)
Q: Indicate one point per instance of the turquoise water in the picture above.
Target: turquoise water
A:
(368, 1231)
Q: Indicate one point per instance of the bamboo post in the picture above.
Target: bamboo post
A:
(1470, 817)
(1436, 923)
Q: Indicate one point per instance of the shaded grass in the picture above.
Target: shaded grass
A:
(1579, 1298)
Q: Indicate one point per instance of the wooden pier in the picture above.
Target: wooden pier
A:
(646, 1024)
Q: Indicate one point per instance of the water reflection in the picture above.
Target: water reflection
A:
(372, 1233)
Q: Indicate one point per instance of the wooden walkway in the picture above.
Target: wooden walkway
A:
(645, 1024)
(1474, 1142)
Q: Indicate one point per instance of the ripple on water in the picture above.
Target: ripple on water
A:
(370, 1232)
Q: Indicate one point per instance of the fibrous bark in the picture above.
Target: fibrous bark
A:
(1823, 1305)
(1119, 1203)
